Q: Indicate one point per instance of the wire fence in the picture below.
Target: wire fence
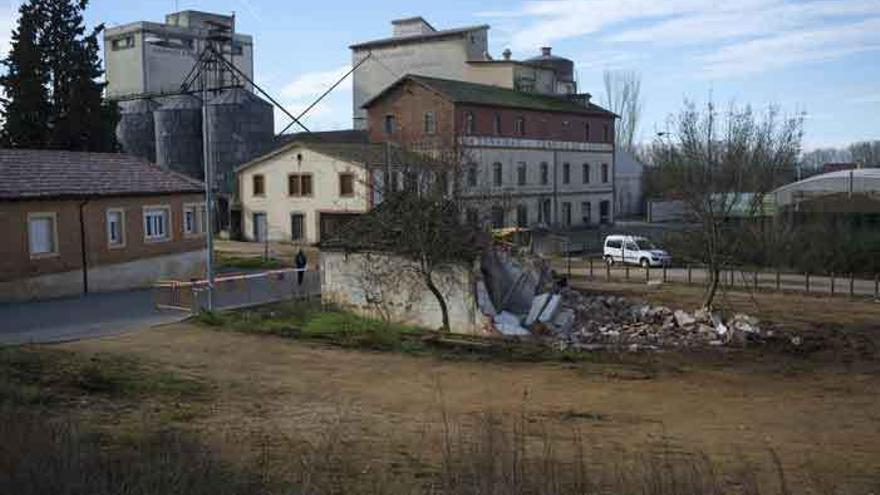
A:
(733, 278)
(233, 291)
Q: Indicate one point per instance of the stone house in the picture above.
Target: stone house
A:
(89, 222)
(527, 159)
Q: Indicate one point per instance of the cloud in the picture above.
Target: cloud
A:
(868, 99)
(8, 19)
(730, 38)
(793, 48)
(333, 112)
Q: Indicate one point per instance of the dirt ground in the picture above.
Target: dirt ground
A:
(822, 419)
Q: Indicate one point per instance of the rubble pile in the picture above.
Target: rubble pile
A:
(520, 299)
(590, 322)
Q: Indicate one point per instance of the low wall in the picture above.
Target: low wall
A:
(137, 274)
(384, 286)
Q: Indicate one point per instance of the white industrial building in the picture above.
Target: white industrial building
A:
(417, 48)
(151, 58)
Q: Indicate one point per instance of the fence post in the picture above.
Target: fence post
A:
(807, 278)
(852, 285)
(664, 274)
(647, 274)
(755, 279)
(626, 267)
(690, 275)
(732, 278)
(568, 256)
(876, 286)
(591, 267)
(608, 272)
(778, 280)
(832, 283)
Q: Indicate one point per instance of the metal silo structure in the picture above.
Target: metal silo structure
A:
(241, 126)
(179, 135)
(136, 129)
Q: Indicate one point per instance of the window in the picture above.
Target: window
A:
(565, 126)
(297, 227)
(299, 185)
(519, 126)
(123, 43)
(587, 131)
(115, 227)
(614, 244)
(521, 174)
(497, 174)
(395, 181)
(194, 219)
(42, 234)
(346, 185)
(496, 125)
(157, 223)
(472, 176)
(544, 216)
(604, 173)
(566, 214)
(545, 174)
(586, 172)
(522, 216)
(259, 185)
(605, 212)
(587, 212)
(605, 133)
(430, 123)
(470, 124)
(566, 173)
(472, 216)
(497, 217)
(390, 124)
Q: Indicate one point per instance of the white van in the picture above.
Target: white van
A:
(635, 251)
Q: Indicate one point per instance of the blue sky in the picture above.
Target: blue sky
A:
(821, 57)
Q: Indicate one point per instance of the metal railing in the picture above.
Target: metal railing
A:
(232, 291)
(733, 278)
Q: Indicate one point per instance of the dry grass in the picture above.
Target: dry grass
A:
(393, 414)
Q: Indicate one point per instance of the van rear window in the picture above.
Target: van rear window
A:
(613, 244)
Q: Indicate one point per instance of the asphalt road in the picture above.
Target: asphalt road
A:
(89, 316)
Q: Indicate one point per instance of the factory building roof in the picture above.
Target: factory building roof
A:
(434, 35)
(484, 94)
(864, 181)
(364, 154)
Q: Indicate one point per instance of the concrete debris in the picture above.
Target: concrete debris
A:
(538, 304)
(508, 324)
(484, 300)
(591, 322)
(550, 309)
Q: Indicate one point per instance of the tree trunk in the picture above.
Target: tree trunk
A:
(712, 289)
(429, 281)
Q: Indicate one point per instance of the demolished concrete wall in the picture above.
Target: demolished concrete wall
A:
(385, 286)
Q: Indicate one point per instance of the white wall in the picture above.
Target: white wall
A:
(279, 206)
(379, 286)
(445, 58)
(576, 192)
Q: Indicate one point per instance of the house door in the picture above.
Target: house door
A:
(546, 218)
(260, 227)
(605, 212)
(297, 227)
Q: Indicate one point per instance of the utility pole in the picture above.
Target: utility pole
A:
(209, 184)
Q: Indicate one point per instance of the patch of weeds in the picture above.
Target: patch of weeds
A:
(39, 376)
(250, 263)
(350, 330)
(582, 415)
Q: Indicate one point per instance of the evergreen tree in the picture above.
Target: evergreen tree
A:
(81, 120)
(56, 87)
(26, 108)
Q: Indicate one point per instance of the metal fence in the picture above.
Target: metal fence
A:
(831, 284)
(232, 291)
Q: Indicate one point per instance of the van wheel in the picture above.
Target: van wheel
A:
(645, 263)
(609, 260)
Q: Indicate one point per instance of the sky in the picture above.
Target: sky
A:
(819, 57)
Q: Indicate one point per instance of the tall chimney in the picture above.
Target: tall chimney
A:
(546, 50)
(507, 54)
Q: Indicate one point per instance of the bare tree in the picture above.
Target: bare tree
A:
(721, 164)
(623, 96)
(866, 153)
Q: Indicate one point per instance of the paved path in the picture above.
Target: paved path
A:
(93, 315)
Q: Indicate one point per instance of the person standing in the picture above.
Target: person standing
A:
(301, 263)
